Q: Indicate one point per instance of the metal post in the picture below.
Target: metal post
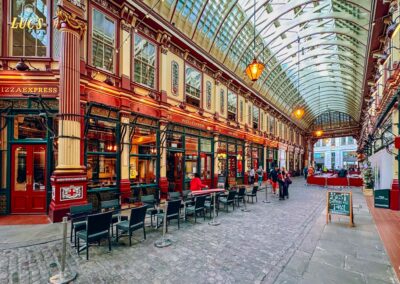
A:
(244, 204)
(163, 242)
(63, 277)
(266, 194)
(214, 222)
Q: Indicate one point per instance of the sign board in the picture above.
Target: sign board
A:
(221, 182)
(339, 203)
(381, 198)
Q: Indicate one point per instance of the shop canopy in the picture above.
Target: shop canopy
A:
(314, 50)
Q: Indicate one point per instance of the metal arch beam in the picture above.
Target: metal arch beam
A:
(285, 9)
(307, 17)
(332, 69)
(340, 112)
(320, 31)
(311, 64)
(315, 105)
(221, 24)
(199, 17)
(313, 111)
(315, 52)
(325, 82)
(310, 94)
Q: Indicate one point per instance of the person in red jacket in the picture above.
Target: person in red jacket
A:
(195, 183)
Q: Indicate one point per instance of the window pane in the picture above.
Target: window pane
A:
(29, 28)
(144, 61)
(103, 41)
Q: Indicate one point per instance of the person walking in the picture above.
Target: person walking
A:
(305, 172)
(288, 182)
(281, 182)
(251, 175)
(260, 173)
(274, 179)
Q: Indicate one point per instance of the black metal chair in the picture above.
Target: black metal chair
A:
(229, 200)
(173, 212)
(78, 215)
(97, 228)
(150, 202)
(175, 195)
(113, 205)
(197, 207)
(240, 196)
(135, 222)
(252, 194)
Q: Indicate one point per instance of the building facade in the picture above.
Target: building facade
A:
(335, 153)
(104, 101)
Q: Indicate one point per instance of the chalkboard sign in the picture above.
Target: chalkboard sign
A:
(221, 182)
(339, 203)
(381, 198)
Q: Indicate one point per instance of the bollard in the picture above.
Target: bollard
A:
(214, 222)
(244, 203)
(163, 242)
(63, 277)
(266, 194)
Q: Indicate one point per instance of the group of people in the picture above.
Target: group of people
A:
(280, 179)
(252, 175)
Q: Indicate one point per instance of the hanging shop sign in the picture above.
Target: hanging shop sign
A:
(12, 90)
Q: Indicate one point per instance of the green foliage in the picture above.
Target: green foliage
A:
(368, 176)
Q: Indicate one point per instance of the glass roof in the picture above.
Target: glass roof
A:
(314, 50)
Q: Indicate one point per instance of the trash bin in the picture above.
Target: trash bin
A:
(382, 198)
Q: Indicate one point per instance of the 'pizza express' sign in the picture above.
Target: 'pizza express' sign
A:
(39, 90)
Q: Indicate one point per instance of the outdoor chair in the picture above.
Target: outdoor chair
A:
(198, 207)
(97, 228)
(240, 196)
(150, 202)
(229, 200)
(176, 195)
(135, 222)
(78, 214)
(173, 211)
(171, 187)
(209, 205)
(113, 205)
(252, 194)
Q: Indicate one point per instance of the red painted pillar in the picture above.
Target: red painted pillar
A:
(395, 195)
(68, 181)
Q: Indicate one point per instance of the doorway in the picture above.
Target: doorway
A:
(175, 170)
(28, 178)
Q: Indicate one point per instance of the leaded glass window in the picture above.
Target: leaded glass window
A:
(103, 41)
(29, 24)
(208, 94)
(192, 86)
(232, 106)
(144, 61)
(175, 77)
(222, 101)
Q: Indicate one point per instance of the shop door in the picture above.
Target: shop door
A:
(206, 168)
(28, 179)
(175, 169)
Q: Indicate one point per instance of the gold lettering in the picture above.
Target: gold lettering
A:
(40, 24)
(22, 24)
(30, 26)
(14, 23)
(40, 90)
(45, 90)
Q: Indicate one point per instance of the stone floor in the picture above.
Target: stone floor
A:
(280, 242)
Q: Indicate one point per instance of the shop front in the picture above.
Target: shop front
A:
(291, 167)
(189, 151)
(283, 157)
(230, 155)
(26, 139)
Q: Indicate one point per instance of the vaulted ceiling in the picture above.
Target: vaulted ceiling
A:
(314, 51)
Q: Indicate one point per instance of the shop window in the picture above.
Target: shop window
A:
(145, 62)
(192, 86)
(103, 41)
(232, 106)
(256, 117)
(143, 155)
(350, 140)
(191, 156)
(29, 127)
(208, 94)
(175, 78)
(174, 140)
(101, 151)
(29, 28)
(343, 141)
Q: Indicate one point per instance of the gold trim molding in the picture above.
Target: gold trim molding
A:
(70, 20)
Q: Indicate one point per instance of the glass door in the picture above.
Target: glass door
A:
(175, 170)
(28, 180)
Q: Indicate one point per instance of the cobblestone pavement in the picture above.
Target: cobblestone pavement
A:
(248, 247)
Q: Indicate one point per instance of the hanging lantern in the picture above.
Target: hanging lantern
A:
(298, 113)
(254, 70)
(319, 133)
